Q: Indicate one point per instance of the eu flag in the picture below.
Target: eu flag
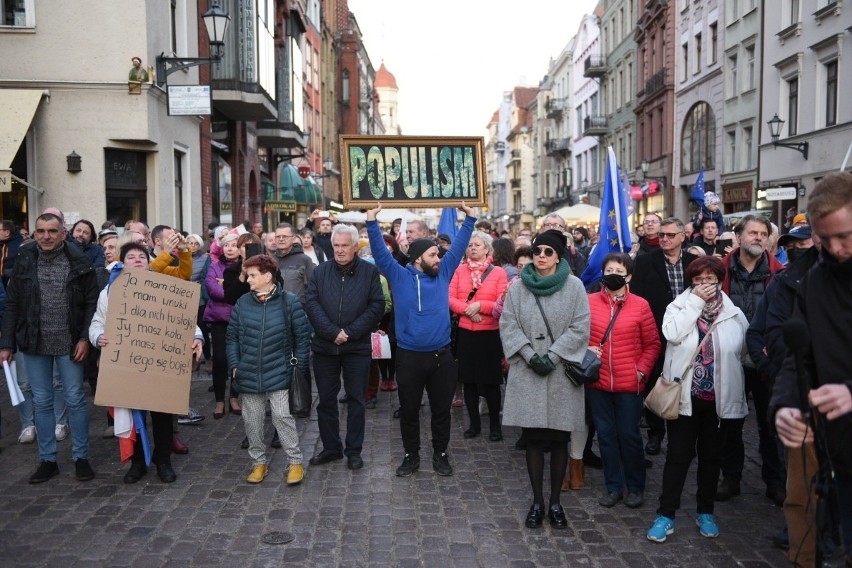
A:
(697, 194)
(614, 230)
(448, 224)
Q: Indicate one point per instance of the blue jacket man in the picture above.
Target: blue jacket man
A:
(424, 359)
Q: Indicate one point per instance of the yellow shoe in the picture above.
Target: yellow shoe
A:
(295, 474)
(258, 473)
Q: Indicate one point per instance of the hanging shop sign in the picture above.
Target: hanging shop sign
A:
(411, 171)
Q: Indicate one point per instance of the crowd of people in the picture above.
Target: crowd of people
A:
(495, 321)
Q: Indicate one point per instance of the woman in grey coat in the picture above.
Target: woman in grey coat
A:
(545, 322)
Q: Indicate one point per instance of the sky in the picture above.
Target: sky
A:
(453, 59)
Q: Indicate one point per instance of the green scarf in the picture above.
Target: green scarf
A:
(545, 285)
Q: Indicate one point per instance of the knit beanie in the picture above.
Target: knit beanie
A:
(554, 239)
(710, 198)
(418, 247)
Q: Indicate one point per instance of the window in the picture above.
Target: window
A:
(749, 71)
(831, 93)
(733, 86)
(714, 42)
(308, 66)
(594, 166)
(685, 51)
(698, 60)
(629, 160)
(790, 12)
(733, 10)
(747, 144)
(19, 13)
(344, 95)
(178, 164)
(628, 87)
(316, 70)
(698, 140)
(732, 151)
(793, 106)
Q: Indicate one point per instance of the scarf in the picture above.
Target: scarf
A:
(712, 308)
(545, 285)
(652, 241)
(263, 296)
(477, 269)
(703, 384)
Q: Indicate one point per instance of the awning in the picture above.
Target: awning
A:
(17, 108)
(289, 181)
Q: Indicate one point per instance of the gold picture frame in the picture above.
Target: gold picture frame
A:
(412, 171)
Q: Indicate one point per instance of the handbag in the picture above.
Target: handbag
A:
(300, 385)
(588, 370)
(664, 398)
(455, 318)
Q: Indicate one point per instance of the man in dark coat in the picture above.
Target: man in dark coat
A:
(344, 303)
(658, 277)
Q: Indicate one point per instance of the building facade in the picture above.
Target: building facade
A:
(556, 132)
(590, 123)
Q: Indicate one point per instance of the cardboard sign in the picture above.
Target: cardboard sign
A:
(410, 171)
(150, 324)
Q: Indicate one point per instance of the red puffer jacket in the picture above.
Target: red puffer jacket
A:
(633, 344)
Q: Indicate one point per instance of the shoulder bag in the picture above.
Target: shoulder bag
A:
(454, 318)
(588, 370)
(300, 385)
(664, 398)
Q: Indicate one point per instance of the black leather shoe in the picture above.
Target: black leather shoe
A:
(166, 473)
(135, 473)
(83, 470)
(557, 517)
(326, 456)
(634, 499)
(496, 436)
(46, 470)
(610, 499)
(652, 448)
(535, 516)
(728, 488)
(354, 462)
(471, 433)
(410, 464)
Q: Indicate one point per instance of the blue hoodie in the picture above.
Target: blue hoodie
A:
(421, 302)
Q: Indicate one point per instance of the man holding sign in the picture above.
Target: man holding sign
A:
(50, 302)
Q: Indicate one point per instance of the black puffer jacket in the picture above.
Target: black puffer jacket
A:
(23, 300)
(258, 341)
(350, 299)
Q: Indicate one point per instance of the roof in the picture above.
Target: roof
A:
(524, 96)
(385, 78)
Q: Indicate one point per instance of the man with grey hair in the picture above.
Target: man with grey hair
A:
(295, 266)
(344, 302)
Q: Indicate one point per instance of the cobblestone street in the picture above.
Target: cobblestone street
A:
(212, 517)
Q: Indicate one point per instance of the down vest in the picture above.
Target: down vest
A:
(633, 344)
(258, 342)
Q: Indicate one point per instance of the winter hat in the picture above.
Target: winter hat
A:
(710, 198)
(554, 239)
(800, 219)
(799, 233)
(418, 247)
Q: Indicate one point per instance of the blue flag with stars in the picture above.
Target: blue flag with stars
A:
(614, 230)
(697, 194)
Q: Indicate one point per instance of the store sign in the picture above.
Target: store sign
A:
(737, 194)
(780, 193)
(5, 181)
(284, 206)
(408, 171)
(189, 100)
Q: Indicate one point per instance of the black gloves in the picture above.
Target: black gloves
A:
(541, 364)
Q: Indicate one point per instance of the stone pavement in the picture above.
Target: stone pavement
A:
(212, 517)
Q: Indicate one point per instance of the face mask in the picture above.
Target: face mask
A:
(795, 253)
(614, 282)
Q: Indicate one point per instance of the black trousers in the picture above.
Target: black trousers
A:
(436, 372)
(161, 426)
(688, 434)
(220, 361)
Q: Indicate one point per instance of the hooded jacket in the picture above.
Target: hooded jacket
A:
(421, 302)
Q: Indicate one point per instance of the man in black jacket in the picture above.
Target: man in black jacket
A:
(658, 277)
(824, 304)
(49, 305)
(344, 303)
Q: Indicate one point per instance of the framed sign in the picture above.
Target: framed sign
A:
(412, 171)
(189, 100)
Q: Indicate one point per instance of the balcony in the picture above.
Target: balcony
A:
(277, 134)
(516, 155)
(553, 108)
(515, 183)
(656, 83)
(558, 147)
(500, 146)
(594, 66)
(595, 125)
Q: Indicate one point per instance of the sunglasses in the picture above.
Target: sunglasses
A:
(668, 235)
(548, 252)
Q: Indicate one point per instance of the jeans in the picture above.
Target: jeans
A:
(700, 432)
(25, 409)
(616, 417)
(435, 371)
(355, 368)
(40, 371)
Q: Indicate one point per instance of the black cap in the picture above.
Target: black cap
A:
(554, 239)
(418, 247)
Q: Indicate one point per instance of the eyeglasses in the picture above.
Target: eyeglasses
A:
(668, 235)
(553, 226)
(548, 252)
(282, 237)
(705, 280)
(652, 222)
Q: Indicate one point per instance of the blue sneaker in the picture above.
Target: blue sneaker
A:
(707, 525)
(663, 527)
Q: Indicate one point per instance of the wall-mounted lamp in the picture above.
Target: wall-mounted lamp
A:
(216, 22)
(645, 165)
(775, 125)
(75, 162)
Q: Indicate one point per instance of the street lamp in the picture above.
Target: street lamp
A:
(216, 22)
(775, 125)
(645, 165)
